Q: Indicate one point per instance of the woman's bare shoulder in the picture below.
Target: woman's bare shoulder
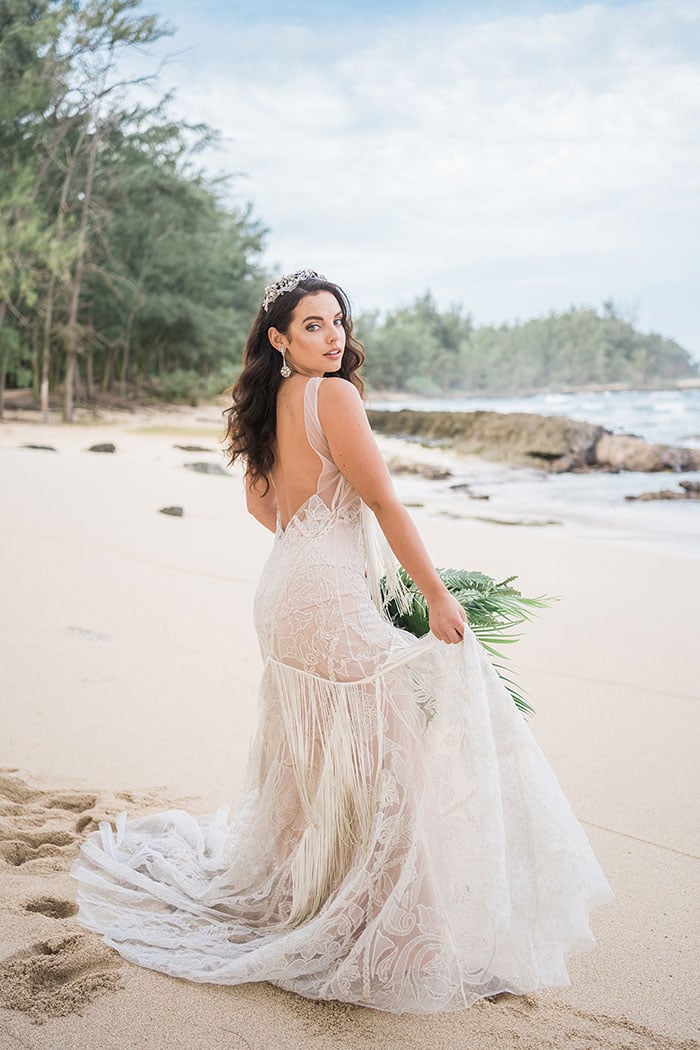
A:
(336, 394)
(351, 442)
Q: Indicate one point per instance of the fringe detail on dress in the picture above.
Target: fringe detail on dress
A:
(382, 563)
(332, 738)
(436, 863)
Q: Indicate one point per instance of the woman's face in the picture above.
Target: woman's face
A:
(315, 340)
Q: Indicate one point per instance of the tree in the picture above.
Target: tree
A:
(29, 31)
(116, 251)
(419, 350)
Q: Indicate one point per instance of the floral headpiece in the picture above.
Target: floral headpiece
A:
(286, 284)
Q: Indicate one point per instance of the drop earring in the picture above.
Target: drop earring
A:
(285, 370)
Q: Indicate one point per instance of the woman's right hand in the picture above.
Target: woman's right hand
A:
(447, 618)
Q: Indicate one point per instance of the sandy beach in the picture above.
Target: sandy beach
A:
(129, 678)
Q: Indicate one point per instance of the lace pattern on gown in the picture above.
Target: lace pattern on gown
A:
(401, 841)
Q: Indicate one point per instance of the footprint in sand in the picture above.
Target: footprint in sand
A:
(53, 907)
(56, 977)
(36, 824)
(86, 824)
(575, 1029)
(41, 830)
(40, 833)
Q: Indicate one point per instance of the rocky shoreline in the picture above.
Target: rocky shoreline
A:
(553, 443)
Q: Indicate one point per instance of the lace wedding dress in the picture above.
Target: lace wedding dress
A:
(401, 841)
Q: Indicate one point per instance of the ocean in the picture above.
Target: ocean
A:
(590, 504)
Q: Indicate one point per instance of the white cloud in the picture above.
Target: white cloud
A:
(515, 165)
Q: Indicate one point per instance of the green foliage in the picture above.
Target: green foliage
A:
(422, 385)
(10, 348)
(493, 609)
(189, 387)
(163, 268)
(416, 349)
(179, 386)
(419, 350)
(30, 67)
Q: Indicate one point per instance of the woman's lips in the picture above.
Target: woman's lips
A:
(333, 353)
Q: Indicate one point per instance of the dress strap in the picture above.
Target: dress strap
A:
(314, 430)
(331, 485)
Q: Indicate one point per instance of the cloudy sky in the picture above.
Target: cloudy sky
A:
(514, 157)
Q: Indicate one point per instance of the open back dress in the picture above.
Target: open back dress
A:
(401, 841)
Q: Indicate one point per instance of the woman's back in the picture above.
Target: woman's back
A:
(297, 466)
(303, 464)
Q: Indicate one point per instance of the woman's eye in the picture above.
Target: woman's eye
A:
(313, 327)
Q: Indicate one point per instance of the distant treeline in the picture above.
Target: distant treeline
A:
(121, 266)
(124, 271)
(420, 350)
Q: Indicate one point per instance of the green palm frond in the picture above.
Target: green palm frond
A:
(493, 608)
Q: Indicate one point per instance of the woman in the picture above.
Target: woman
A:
(401, 842)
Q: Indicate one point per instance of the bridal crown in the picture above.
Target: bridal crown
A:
(286, 284)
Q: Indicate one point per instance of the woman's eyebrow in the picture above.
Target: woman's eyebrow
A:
(315, 317)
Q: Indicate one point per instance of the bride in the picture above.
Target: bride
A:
(401, 841)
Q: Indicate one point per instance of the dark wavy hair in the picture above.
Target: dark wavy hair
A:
(251, 427)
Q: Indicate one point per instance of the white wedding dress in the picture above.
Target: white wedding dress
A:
(401, 841)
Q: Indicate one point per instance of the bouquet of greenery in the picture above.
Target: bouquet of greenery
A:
(492, 608)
